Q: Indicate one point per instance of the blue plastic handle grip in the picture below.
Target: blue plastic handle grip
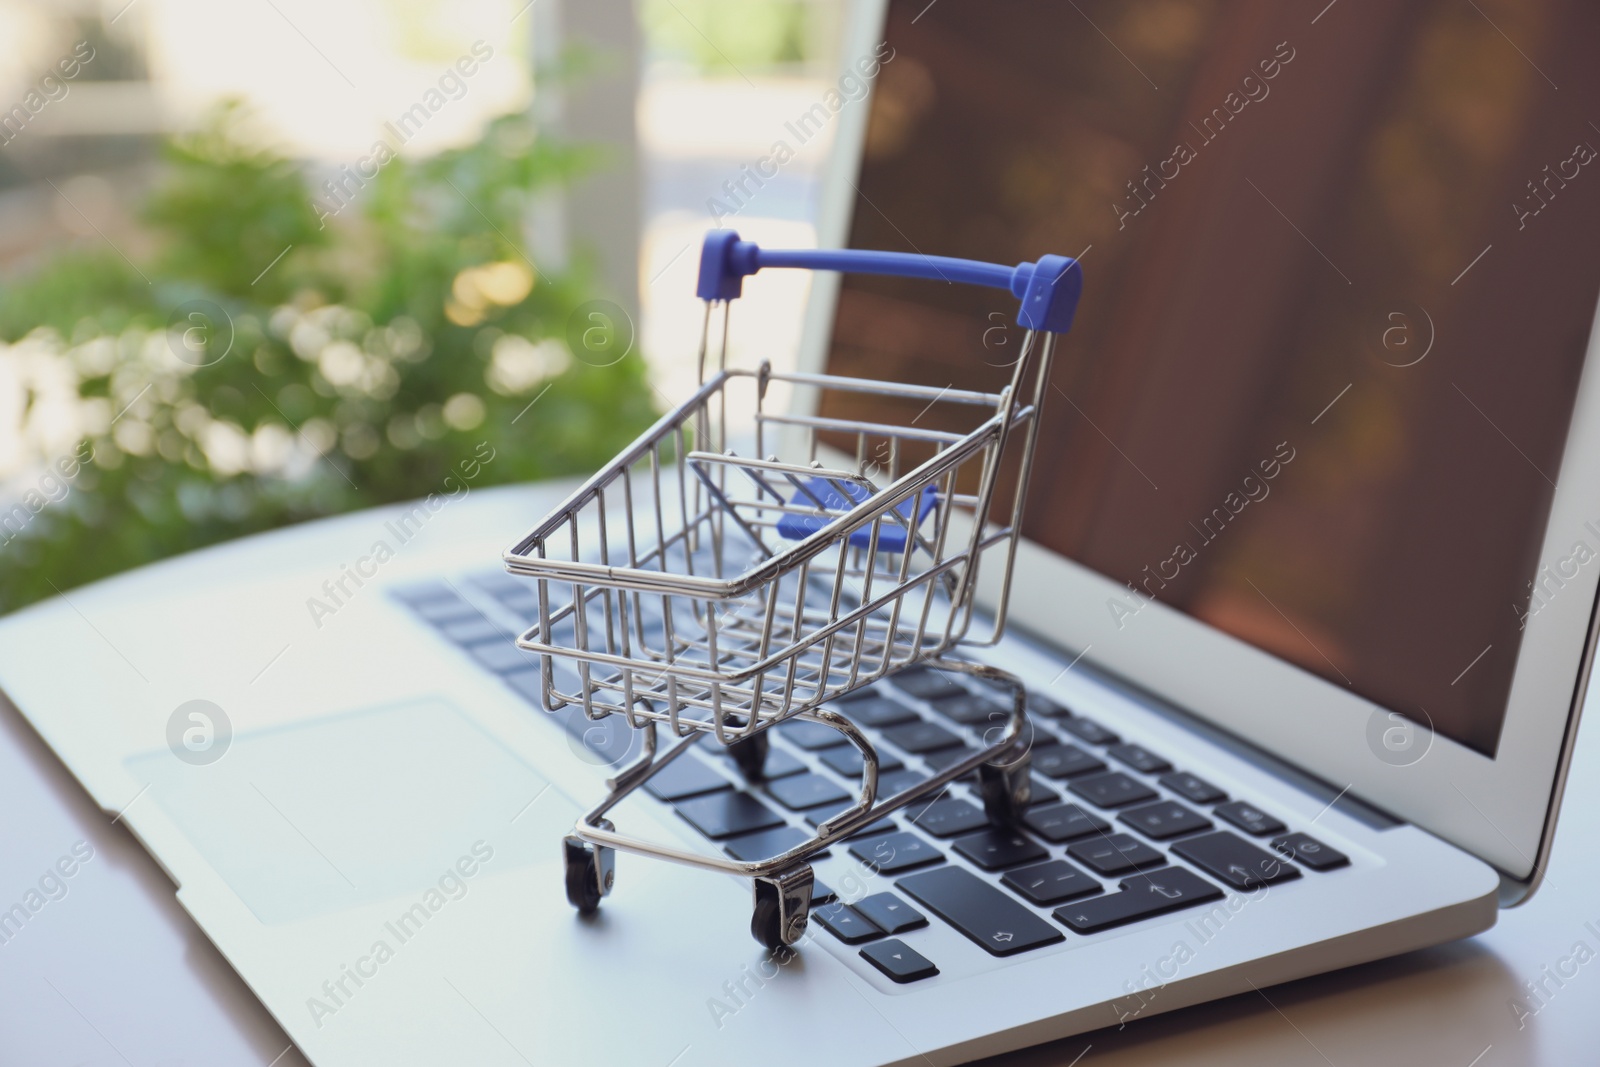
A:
(1048, 289)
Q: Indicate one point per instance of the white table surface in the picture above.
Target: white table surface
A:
(114, 970)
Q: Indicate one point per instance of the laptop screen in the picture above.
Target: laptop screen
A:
(1340, 272)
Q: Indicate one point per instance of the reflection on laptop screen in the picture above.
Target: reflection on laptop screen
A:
(1338, 288)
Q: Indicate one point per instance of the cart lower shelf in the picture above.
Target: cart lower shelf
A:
(783, 884)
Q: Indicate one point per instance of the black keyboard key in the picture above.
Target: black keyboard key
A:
(929, 683)
(891, 914)
(810, 736)
(990, 918)
(1235, 861)
(822, 894)
(779, 764)
(1051, 883)
(1063, 822)
(920, 736)
(892, 782)
(685, 776)
(898, 961)
(1311, 852)
(823, 812)
(728, 814)
(1064, 761)
(848, 761)
(503, 656)
(876, 712)
(949, 817)
(1042, 794)
(1088, 730)
(938, 761)
(764, 844)
(1249, 818)
(970, 709)
(1040, 704)
(994, 848)
(1142, 896)
(1164, 820)
(895, 852)
(845, 923)
(1115, 854)
(474, 629)
(1194, 789)
(800, 791)
(1139, 758)
(1112, 790)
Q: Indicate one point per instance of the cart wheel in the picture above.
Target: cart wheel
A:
(751, 755)
(590, 870)
(1006, 788)
(783, 907)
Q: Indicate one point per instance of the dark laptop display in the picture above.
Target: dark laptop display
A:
(1340, 273)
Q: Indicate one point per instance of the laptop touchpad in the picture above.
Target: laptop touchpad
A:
(320, 816)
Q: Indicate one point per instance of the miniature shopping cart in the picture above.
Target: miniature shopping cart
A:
(756, 555)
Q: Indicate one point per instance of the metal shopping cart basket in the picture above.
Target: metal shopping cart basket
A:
(711, 583)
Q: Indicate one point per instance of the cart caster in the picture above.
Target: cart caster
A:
(1006, 789)
(751, 755)
(783, 907)
(590, 870)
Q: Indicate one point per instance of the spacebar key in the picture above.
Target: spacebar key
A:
(999, 924)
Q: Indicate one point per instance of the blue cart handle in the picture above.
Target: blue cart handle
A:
(1048, 290)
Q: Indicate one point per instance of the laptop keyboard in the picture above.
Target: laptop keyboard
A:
(1115, 833)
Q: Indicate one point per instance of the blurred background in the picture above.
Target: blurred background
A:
(270, 261)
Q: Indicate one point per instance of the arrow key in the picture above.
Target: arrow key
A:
(900, 962)
(847, 924)
(890, 913)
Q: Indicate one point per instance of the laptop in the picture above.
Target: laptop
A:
(1308, 579)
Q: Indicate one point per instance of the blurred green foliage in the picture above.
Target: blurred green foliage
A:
(387, 345)
(729, 36)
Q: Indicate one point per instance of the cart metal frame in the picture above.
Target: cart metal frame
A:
(698, 591)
